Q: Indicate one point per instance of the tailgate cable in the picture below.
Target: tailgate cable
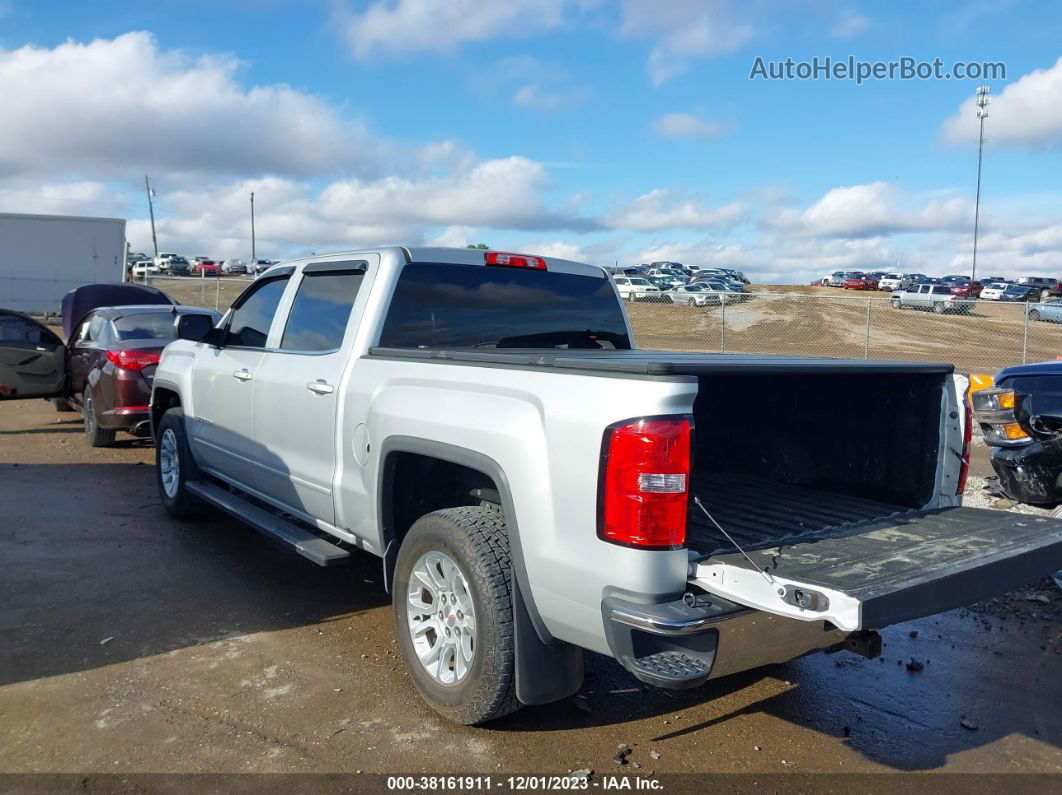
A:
(737, 546)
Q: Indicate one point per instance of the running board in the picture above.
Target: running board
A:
(315, 548)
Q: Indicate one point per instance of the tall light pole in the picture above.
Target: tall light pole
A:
(254, 260)
(151, 209)
(984, 99)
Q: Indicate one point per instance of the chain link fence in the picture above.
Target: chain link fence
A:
(987, 336)
(213, 292)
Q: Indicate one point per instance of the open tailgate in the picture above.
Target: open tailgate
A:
(882, 572)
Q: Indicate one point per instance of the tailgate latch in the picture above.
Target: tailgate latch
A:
(805, 598)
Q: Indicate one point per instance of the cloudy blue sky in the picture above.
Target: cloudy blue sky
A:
(604, 131)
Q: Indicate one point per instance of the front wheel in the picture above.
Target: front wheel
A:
(1034, 315)
(174, 466)
(453, 613)
(938, 308)
(896, 303)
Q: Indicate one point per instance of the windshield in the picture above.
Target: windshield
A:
(146, 326)
(474, 306)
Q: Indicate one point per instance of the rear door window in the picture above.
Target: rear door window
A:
(478, 306)
(319, 314)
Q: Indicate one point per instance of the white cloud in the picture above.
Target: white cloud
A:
(533, 84)
(123, 106)
(849, 26)
(1026, 114)
(441, 26)
(870, 210)
(684, 30)
(667, 209)
(556, 248)
(687, 125)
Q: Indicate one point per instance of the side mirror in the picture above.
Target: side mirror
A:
(197, 328)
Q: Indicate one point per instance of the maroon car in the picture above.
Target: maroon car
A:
(860, 281)
(207, 267)
(966, 289)
(107, 364)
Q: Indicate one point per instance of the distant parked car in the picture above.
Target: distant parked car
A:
(636, 288)
(177, 265)
(162, 261)
(954, 278)
(206, 267)
(1019, 293)
(259, 265)
(891, 281)
(144, 268)
(935, 297)
(1044, 286)
(1049, 311)
(234, 266)
(860, 281)
(987, 279)
(993, 291)
(966, 289)
(694, 295)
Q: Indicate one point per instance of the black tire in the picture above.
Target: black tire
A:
(897, 303)
(938, 308)
(475, 539)
(96, 436)
(62, 405)
(1034, 315)
(180, 504)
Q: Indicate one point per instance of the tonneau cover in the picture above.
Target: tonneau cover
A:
(647, 362)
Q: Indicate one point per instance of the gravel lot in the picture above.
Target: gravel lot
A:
(133, 643)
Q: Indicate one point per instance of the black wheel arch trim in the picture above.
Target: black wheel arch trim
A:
(547, 669)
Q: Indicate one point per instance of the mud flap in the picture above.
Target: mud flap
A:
(544, 673)
(880, 573)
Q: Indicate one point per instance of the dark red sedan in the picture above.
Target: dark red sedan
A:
(860, 281)
(105, 368)
(111, 360)
(966, 289)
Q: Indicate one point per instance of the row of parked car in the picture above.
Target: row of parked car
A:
(990, 288)
(673, 282)
(170, 264)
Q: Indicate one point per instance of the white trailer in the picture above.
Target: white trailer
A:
(42, 257)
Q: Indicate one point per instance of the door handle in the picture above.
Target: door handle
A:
(320, 387)
(243, 375)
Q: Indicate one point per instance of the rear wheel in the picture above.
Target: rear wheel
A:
(1034, 315)
(938, 308)
(896, 303)
(96, 436)
(453, 613)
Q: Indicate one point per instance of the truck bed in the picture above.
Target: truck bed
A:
(759, 513)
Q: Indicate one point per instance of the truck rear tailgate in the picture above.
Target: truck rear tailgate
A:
(884, 571)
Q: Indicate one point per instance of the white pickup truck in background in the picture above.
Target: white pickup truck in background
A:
(536, 486)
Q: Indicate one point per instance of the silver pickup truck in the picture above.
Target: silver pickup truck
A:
(536, 486)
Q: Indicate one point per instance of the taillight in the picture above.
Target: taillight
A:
(514, 260)
(967, 434)
(132, 360)
(645, 482)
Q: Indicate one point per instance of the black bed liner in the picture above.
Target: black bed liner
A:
(759, 512)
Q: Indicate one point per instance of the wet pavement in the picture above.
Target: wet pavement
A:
(133, 643)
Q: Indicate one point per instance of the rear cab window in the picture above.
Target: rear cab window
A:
(436, 305)
(321, 309)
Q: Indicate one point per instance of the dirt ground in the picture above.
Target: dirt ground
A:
(824, 321)
(131, 643)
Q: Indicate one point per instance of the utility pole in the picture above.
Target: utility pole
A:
(984, 99)
(151, 209)
(254, 260)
